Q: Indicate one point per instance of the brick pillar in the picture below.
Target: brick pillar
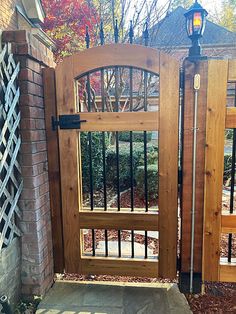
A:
(37, 259)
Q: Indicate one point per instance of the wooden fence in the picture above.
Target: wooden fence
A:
(216, 221)
(10, 182)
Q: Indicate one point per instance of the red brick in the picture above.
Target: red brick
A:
(26, 75)
(27, 123)
(33, 135)
(33, 159)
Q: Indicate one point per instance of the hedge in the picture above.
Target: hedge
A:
(152, 180)
(137, 136)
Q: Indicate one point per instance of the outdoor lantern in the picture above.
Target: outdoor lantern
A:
(195, 24)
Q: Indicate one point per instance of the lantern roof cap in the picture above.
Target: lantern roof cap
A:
(196, 7)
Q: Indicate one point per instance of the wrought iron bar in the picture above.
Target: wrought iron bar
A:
(146, 38)
(131, 33)
(88, 89)
(131, 161)
(87, 37)
(117, 153)
(102, 38)
(231, 206)
(116, 32)
(104, 142)
(146, 34)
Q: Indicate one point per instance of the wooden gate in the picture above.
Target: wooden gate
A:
(73, 79)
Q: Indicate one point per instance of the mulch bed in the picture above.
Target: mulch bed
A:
(218, 298)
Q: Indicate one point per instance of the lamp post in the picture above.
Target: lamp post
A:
(195, 25)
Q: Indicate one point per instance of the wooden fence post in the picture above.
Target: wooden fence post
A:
(209, 173)
(53, 168)
(214, 167)
(190, 69)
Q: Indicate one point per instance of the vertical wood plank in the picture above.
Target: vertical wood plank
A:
(186, 200)
(70, 171)
(214, 166)
(168, 164)
(53, 168)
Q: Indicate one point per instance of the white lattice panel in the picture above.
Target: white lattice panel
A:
(10, 182)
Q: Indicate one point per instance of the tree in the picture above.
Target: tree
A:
(226, 15)
(66, 22)
(183, 3)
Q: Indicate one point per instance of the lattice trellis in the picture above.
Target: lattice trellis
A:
(10, 182)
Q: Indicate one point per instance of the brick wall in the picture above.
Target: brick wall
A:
(36, 242)
(8, 16)
(10, 266)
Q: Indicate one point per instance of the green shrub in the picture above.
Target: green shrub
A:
(227, 167)
(229, 134)
(152, 180)
(124, 164)
(137, 136)
(97, 160)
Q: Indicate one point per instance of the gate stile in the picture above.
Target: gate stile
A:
(75, 216)
(217, 221)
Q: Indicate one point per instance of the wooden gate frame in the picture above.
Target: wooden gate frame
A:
(218, 118)
(67, 247)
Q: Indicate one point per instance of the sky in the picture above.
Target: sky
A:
(212, 6)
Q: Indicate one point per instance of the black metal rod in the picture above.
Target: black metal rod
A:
(231, 206)
(145, 161)
(117, 154)
(131, 157)
(88, 88)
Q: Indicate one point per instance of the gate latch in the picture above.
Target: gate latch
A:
(69, 121)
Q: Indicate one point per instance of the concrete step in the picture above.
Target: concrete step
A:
(113, 298)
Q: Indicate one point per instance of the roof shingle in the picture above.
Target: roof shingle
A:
(171, 32)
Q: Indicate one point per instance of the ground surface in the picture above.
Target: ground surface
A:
(113, 298)
(218, 297)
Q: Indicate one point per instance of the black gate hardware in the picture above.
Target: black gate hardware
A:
(69, 121)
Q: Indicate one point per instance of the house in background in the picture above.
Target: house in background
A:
(170, 35)
(24, 15)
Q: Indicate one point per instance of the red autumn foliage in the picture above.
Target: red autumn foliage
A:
(66, 22)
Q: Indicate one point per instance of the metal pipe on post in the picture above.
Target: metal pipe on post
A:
(196, 87)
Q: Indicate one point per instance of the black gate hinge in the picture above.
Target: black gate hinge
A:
(69, 121)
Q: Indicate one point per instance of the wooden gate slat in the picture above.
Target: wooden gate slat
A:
(119, 267)
(118, 221)
(119, 121)
(168, 164)
(214, 166)
(53, 168)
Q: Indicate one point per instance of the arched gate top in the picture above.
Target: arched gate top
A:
(127, 55)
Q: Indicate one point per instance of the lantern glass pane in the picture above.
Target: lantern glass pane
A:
(197, 22)
(190, 25)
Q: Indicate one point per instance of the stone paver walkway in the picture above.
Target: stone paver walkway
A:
(109, 298)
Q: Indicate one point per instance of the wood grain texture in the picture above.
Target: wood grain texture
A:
(53, 168)
(215, 134)
(168, 165)
(70, 160)
(71, 188)
(111, 55)
(227, 270)
(187, 167)
(230, 121)
(118, 221)
(228, 223)
(232, 71)
(119, 121)
(119, 267)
